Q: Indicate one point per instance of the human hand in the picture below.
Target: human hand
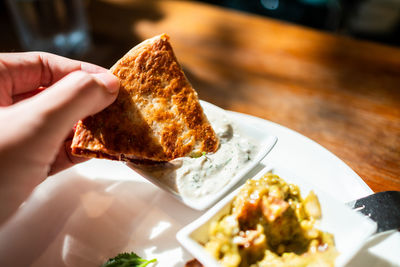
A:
(41, 97)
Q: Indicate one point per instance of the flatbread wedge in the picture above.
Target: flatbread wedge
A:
(156, 116)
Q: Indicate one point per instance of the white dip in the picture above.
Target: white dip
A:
(194, 178)
(198, 177)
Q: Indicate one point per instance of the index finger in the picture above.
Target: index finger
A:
(23, 72)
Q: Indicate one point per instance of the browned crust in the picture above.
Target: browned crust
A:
(156, 116)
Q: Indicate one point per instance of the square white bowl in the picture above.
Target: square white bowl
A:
(265, 144)
(350, 229)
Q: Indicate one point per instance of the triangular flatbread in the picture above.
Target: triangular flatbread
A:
(156, 116)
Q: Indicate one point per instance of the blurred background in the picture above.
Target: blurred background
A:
(374, 20)
(377, 20)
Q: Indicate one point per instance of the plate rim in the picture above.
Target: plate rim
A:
(358, 179)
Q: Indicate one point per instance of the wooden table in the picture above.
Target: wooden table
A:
(342, 93)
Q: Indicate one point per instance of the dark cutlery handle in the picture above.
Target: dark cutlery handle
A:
(383, 208)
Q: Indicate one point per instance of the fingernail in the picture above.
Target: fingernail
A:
(110, 81)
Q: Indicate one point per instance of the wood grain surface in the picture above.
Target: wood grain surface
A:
(342, 93)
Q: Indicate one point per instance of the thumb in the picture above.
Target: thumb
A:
(74, 97)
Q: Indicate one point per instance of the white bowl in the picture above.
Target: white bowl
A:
(265, 143)
(350, 229)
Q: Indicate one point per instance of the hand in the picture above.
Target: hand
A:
(42, 96)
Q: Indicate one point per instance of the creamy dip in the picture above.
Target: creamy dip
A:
(204, 175)
(198, 177)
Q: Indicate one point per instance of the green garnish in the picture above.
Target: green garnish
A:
(198, 155)
(127, 260)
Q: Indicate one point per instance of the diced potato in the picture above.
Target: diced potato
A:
(312, 206)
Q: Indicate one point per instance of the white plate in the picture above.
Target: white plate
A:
(97, 209)
(265, 143)
(350, 229)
